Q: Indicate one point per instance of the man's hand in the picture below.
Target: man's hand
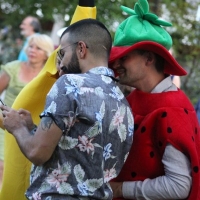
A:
(12, 120)
(117, 189)
(26, 116)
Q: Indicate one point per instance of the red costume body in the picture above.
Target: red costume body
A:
(162, 118)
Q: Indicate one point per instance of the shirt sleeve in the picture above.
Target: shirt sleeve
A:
(11, 68)
(60, 106)
(175, 184)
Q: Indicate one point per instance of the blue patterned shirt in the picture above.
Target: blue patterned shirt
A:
(97, 126)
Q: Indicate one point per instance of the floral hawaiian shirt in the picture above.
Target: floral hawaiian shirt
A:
(97, 126)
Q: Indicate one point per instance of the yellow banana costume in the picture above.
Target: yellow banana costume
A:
(32, 97)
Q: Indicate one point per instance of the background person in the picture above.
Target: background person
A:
(29, 26)
(16, 74)
(164, 159)
(86, 128)
(16, 165)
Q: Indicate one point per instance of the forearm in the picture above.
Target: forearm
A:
(175, 184)
(4, 80)
(154, 189)
(25, 141)
(35, 144)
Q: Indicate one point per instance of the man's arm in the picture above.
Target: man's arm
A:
(175, 184)
(37, 145)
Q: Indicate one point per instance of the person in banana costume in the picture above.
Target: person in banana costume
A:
(32, 98)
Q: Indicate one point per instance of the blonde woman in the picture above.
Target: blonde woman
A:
(16, 74)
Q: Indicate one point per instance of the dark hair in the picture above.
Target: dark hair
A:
(159, 61)
(35, 23)
(93, 33)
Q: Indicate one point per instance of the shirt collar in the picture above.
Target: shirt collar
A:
(164, 86)
(102, 71)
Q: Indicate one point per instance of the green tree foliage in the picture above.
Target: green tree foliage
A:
(185, 33)
(181, 13)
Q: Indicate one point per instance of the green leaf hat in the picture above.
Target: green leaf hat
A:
(144, 30)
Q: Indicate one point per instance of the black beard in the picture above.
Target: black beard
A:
(73, 67)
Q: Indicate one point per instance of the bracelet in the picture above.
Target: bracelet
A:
(33, 130)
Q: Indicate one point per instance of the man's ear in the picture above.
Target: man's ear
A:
(82, 49)
(150, 58)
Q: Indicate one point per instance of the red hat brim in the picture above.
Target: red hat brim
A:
(171, 65)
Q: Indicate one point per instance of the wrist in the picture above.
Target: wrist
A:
(119, 189)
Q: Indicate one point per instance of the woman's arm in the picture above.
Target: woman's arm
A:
(1, 120)
(4, 81)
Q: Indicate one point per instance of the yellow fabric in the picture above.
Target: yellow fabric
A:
(32, 97)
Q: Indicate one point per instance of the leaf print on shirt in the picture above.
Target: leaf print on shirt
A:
(52, 108)
(93, 131)
(74, 85)
(86, 90)
(130, 122)
(102, 70)
(99, 92)
(67, 142)
(106, 79)
(72, 89)
(116, 93)
(37, 172)
(53, 93)
(65, 188)
(126, 156)
(97, 128)
(117, 123)
(100, 116)
(88, 186)
(75, 79)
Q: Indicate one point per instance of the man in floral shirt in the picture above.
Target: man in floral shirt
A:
(86, 128)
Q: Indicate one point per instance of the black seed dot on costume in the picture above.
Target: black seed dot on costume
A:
(185, 110)
(164, 114)
(196, 169)
(133, 174)
(151, 154)
(169, 130)
(192, 138)
(160, 144)
(196, 130)
(135, 127)
(143, 129)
